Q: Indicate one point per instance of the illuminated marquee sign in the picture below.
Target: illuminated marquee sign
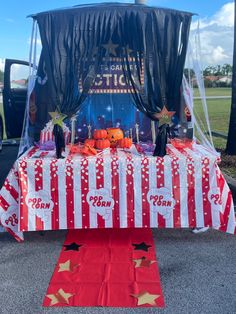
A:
(111, 78)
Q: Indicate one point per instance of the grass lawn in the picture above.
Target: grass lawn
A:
(219, 111)
(214, 92)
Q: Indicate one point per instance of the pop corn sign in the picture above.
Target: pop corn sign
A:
(39, 204)
(215, 199)
(215, 196)
(100, 202)
(9, 218)
(161, 201)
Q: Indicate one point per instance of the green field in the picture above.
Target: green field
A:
(219, 112)
(215, 92)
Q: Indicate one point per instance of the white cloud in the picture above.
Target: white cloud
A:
(216, 34)
(225, 17)
(219, 54)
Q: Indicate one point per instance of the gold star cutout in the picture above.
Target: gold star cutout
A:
(57, 117)
(146, 298)
(143, 262)
(59, 297)
(67, 266)
(164, 116)
(110, 47)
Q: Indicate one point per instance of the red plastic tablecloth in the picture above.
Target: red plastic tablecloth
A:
(116, 189)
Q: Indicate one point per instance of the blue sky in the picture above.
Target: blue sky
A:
(15, 28)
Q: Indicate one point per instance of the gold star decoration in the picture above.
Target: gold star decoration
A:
(146, 298)
(57, 117)
(59, 297)
(110, 48)
(164, 116)
(67, 266)
(143, 262)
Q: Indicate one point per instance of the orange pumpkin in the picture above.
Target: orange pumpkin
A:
(114, 135)
(102, 144)
(125, 142)
(99, 134)
(90, 142)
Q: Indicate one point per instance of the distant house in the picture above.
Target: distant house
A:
(217, 81)
(22, 83)
(225, 79)
(212, 78)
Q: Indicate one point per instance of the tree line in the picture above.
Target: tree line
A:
(214, 75)
(218, 70)
(212, 70)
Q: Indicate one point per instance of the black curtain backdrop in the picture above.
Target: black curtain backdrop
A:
(151, 44)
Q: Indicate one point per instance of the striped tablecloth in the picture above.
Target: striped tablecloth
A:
(116, 189)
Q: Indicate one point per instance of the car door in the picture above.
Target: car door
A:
(14, 96)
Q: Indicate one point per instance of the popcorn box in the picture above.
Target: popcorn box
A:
(47, 133)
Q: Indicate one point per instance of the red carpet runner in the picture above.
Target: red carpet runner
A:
(115, 268)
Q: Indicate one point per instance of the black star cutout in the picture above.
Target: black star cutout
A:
(141, 246)
(72, 247)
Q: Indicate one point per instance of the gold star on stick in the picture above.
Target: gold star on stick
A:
(110, 47)
(67, 266)
(59, 297)
(57, 117)
(146, 298)
(143, 262)
(164, 116)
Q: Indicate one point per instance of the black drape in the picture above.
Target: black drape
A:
(77, 41)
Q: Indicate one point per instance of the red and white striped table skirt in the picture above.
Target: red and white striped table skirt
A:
(116, 189)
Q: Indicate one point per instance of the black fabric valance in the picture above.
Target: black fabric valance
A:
(149, 42)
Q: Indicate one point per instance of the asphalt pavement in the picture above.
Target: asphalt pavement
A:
(198, 272)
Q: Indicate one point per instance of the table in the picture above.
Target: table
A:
(116, 189)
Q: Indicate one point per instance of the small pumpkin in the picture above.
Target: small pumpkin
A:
(90, 142)
(102, 144)
(114, 135)
(125, 142)
(99, 134)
